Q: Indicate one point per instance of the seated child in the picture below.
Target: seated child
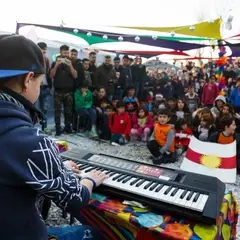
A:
(100, 101)
(120, 125)
(218, 104)
(182, 136)
(171, 104)
(142, 125)
(196, 117)
(83, 101)
(227, 135)
(162, 145)
(205, 128)
(226, 109)
(103, 128)
(131, 102)
(181, 108)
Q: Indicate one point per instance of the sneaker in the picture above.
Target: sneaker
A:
(179, 152)
(115, 144)
(123, 141)
(93, 133)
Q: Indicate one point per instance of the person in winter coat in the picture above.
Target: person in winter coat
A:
(142, 125)
(218, 104)
(120, 125)
(209, 93)
(105, 77)
(235, 97)
(31, 167)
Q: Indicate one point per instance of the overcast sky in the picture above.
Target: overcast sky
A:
(78, 13)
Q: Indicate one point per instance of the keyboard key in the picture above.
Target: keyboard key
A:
(168, 190)
(159, 188)
(202, 203)
(189, 196)
(174, 192)
(184, 199)
(127, 179)
(90, 169)
(86, 166)
(196, 197)
(148, 185)
(134, 181)
(153, 186)
(116, 177)
(140, 183)
(183, 194)
(121, 178)
(190, 201)
(194, 205)
(177, 198)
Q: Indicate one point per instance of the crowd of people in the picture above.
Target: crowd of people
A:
(121, 101)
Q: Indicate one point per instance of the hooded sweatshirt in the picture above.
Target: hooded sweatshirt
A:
(215, 111)
(30, 168)
(235, 97)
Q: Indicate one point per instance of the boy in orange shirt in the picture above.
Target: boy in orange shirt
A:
(227, 135)
(162, 144)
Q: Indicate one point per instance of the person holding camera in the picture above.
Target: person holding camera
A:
(64, 75)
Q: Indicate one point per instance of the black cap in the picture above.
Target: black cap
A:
(19, 55)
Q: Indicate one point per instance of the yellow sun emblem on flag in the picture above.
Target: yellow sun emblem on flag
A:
(211, 161)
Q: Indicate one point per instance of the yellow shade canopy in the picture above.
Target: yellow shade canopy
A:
(204, 29)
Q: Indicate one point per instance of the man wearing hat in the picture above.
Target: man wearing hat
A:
(30, 164)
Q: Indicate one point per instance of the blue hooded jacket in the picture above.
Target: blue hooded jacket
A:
(30, 166)
(235, 97)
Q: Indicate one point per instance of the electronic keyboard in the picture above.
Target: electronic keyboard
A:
(164, 190)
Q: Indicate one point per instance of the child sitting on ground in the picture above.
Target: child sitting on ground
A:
(162, 145)
(142, 125)
(227, 135)
(83, 101)
(182, 136)
(206, 128)
(218, 104)
(120, 125)
(104, 131)
(131, 102)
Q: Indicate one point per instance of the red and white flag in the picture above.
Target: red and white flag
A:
(211, 159)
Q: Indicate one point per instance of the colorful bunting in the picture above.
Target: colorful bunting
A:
(96, 37)
(221, 62)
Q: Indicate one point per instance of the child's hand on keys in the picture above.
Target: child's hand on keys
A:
(97, 176)
(72, 165)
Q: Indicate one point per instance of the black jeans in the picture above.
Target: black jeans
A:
(154, 148)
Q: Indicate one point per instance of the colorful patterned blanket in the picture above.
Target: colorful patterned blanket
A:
(117, 221)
